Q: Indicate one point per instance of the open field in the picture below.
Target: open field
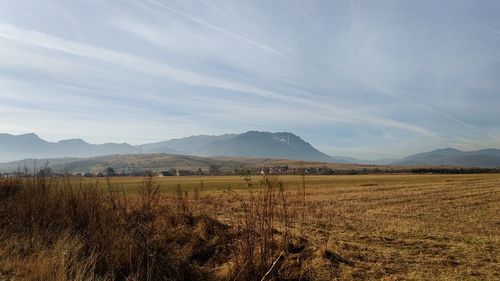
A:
(428, 227)
(370, 227)
(291, 182)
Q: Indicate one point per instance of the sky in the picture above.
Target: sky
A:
(368, 79)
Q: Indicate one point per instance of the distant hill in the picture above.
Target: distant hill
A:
(122, 163)
(264, 144)
(189, 145)
(454, 157)
(163, 162)
(250, 144)
(16, 147)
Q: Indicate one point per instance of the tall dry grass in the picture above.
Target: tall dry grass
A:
(53, 228)
(59, 229)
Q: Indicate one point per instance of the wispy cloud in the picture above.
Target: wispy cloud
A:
(164, 71)
(343, 76)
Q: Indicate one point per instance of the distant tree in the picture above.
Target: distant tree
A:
(110, 172)
(213, 169)
(45, 172)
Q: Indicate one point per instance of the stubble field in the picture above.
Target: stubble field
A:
(389, 227)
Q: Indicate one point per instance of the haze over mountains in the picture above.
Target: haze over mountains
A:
(17, 147)
(187, 145)
(251, 144)
(454, 157)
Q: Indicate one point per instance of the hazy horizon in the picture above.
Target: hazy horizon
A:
(237, 133)
(361, 78)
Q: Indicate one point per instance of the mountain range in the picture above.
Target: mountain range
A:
(454, 157)
(17, 147)
(251, 144)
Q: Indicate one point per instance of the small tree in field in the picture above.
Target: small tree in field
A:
(110, 172)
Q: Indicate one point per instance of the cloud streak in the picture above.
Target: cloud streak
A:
(341, 76)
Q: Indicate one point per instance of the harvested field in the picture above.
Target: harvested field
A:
(390, 227)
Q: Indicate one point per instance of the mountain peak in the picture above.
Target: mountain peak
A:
(29, 136)
(454, 157)
(283, 145)
(285, 138)
(72, 141)
(447, 149)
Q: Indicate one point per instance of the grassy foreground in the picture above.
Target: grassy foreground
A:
(391, 227)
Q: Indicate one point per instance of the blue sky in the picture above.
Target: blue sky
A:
(367, 79)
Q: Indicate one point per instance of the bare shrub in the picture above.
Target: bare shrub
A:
(264, 227)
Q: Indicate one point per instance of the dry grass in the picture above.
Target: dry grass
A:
(390, 227)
